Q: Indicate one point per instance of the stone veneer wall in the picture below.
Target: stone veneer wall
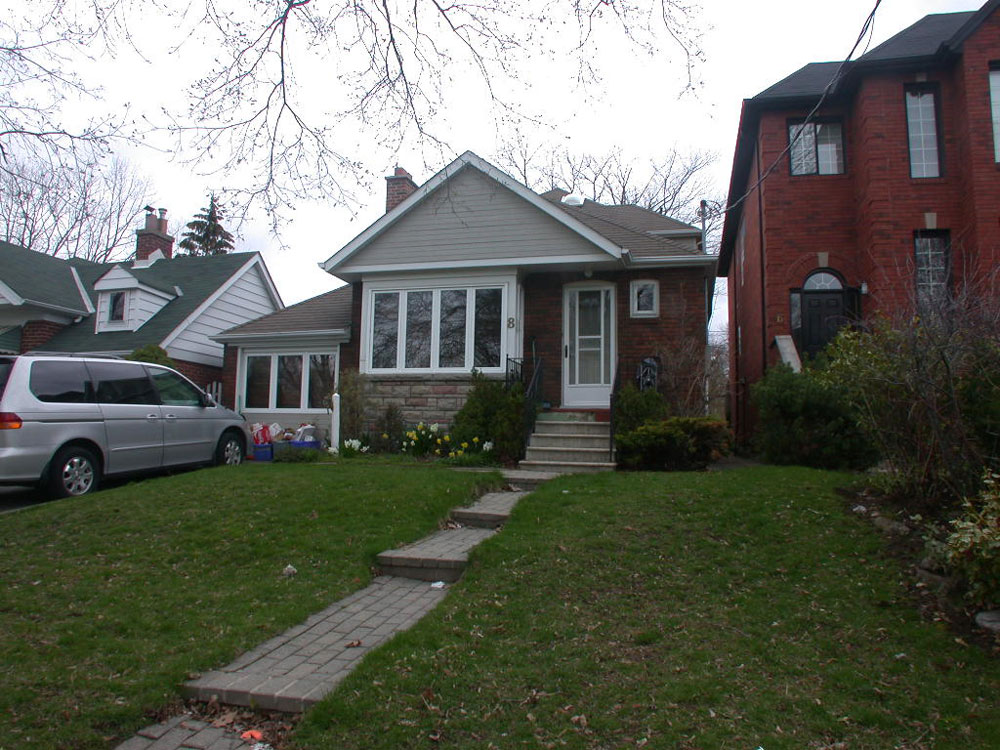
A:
(429, 399)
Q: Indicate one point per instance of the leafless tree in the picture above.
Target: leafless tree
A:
(297, 84)
(673, 185)
(76, 211)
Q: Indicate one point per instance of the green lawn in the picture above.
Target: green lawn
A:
(736, 610)
(109, 601)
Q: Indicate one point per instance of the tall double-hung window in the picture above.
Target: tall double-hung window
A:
(415, 330)
(922, 131)
(816, 147)
(933, 266)
(995, 108)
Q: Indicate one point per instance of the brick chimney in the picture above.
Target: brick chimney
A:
(153, 236)
(398, 188)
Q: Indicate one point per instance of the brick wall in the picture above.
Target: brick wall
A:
(681, 319)
(201, 375)
(230, 366)
(34, 333)
(862, 223)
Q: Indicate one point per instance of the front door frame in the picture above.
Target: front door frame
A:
(593, 395)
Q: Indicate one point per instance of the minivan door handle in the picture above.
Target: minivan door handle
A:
(170, 417)
(152, 417)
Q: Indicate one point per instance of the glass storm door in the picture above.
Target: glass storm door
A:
(588, 345)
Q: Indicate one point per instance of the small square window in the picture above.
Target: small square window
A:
(816, 147)
(644, 299)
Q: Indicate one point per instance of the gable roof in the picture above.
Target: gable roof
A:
(617, 231)
(40, 279)
(936, 38)
(199, 278)
(325, 313)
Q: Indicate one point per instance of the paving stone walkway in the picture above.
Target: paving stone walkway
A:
(297, 668)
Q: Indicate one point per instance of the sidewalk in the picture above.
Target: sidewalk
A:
(295, 669)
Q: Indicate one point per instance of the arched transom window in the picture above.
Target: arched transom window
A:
(822, 281)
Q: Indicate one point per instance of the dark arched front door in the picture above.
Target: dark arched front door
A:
(824, 307)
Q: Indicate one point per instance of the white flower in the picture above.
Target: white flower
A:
(487, 446)
(435, 427)
(364, 449)
(353, 444)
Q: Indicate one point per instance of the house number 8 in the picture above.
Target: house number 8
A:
(510, 322)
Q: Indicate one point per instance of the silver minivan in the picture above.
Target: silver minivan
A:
(67, 422)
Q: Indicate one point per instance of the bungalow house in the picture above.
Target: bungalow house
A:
(473, 270)
(862, 188)
(50, 304)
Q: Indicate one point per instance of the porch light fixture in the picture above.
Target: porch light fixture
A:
(864, 287)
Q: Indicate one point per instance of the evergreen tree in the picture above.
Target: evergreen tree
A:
(206, 235)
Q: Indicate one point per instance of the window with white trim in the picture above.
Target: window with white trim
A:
(432, 330)
(115, 311)
(644, 298)
(816, 147)
(292, 381)
(922, 131)
(995, 108)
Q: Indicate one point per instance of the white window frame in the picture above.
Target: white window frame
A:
(633, 301)
(923, 133)
(104, 322)
(272, 399)
(506, 284)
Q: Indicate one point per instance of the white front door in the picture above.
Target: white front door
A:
(588, 344)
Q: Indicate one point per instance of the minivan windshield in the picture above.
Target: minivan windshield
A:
(6, 363)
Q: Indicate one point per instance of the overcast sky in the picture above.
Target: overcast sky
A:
(640, 108)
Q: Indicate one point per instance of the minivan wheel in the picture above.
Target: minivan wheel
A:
(229, 451)
(74, 471)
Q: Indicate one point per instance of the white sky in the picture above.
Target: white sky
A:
(748, 46)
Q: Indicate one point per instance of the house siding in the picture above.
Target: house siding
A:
(472, 218)
(245, 300)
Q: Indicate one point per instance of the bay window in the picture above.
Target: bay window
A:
(429, 330)
(295, 381)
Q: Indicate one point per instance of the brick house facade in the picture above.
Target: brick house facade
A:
(889, 190)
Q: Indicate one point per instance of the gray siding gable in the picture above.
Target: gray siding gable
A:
(471, 219)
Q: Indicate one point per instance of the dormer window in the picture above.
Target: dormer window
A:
(116, 307)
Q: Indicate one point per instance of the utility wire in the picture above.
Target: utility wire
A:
(865, 31)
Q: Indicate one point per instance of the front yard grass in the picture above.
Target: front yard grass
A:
(737, 610)
(109, 601)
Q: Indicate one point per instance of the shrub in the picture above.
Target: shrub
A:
(674, 444)
(351, 386)
(972, 549)
(805, 419)
(634, 408)
(152, 354)
(492, 414)
(388, 430)
(295, 455)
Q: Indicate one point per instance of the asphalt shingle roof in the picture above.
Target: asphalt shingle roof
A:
(322, 313)
(922, 39)
(198, 278)
(628, 226)
(40, 278)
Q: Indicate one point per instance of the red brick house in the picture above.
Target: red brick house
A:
(472, 270)
(862, 188)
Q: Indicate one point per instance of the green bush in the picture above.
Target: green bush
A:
(295, 455)
(634, 408)
(493, 414)
(674, 444)
(351, 385)
(388, 435)
(972, 549)
(152, 354)
(807, 420)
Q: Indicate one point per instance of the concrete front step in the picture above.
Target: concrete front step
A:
(440, 557)
(568, 455)
(568, 440)
(572, 428)
(566, 467)
(489, 511)
(293, 670)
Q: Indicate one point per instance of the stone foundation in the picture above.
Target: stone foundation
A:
(430, 400)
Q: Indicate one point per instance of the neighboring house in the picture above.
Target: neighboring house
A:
(50, 304)
(886, 197)
(472, 270)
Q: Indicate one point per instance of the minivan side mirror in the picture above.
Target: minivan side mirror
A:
(207, 400)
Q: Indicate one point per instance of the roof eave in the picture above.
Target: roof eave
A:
(335, 335)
